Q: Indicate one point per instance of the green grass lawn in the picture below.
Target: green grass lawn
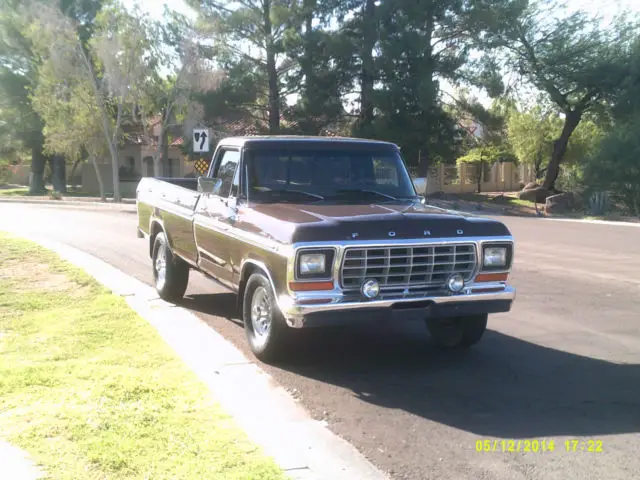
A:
(13, 192)
(91, 390)
(508, 199)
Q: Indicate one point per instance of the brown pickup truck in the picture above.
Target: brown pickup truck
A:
(317, 231)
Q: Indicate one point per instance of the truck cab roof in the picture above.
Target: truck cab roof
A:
(279, 140)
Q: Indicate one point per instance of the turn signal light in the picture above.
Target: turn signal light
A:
(492, 277)
(310, 286)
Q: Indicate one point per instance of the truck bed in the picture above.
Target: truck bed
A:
(174, 200)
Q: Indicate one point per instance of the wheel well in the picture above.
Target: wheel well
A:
(249, 270)
(155, 230)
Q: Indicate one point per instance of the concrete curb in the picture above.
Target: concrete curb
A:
(17, 464)
(91, 205)
(467, 207)
(78, 201)
(594, 222)
(304, 448)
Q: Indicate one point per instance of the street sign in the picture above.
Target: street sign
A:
(200, 140)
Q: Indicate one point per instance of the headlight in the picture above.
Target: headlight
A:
(495, 257)
(312, 263)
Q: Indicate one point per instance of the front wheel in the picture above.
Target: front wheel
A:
(170, 274)
(264, 325)
(457, 332)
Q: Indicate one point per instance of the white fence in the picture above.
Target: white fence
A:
(501, 177)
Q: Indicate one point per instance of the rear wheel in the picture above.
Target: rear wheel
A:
(264, 325)
(170, 273)
(457, 332)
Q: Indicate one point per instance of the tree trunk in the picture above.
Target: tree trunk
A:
(63, 174)
(36, 179)
(58, 174)
(164, 146)
(423, 164)
(367, 74)
(157, 161)
(571, 121)
(272, 73)
(115, 173)
(480, 171)
(312, 107)
(94, 162)
(72, 175)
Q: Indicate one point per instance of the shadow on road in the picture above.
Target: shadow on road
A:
(217, 304)
(504, 387)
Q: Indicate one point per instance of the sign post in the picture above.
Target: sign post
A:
(200, 140)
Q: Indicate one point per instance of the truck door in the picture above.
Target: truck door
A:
(211, 219)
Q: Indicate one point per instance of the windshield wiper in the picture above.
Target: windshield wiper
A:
(375, 192)
(302, 192)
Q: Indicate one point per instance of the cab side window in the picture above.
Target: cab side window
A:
(226, 173)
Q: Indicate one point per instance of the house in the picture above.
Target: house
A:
(136, 155)
(135, 160)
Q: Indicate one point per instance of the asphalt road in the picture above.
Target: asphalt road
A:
(563, 364)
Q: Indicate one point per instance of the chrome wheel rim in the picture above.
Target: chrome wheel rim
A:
(161, 267)
(260, 313)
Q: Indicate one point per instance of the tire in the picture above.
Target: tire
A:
(264, 326)
(170, 273)
(458, 332)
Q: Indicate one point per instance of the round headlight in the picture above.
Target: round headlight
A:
(455, 282)
(371, 288)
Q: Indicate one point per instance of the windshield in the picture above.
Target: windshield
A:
(336, 175)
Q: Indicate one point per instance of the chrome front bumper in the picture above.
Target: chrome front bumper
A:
(474, 298)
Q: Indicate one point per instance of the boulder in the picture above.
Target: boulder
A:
(537, 195)
(560, 203)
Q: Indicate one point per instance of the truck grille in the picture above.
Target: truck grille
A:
(406, 271)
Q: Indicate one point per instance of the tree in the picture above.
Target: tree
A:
(324, 71)
(21, 125)
(250, 39)
(615, 166)
(416, 46)
(490, 144)
(533, 134)
(71, 116)
(575, 62)
(167, 96)
(485, 155)
(115, 64)
(18, 65)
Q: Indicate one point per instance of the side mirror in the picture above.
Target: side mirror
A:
(232, 203)
(422, 199)
(208, 185)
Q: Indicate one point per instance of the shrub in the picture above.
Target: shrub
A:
(615, 168)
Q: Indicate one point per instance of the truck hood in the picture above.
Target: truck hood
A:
(291, 223)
